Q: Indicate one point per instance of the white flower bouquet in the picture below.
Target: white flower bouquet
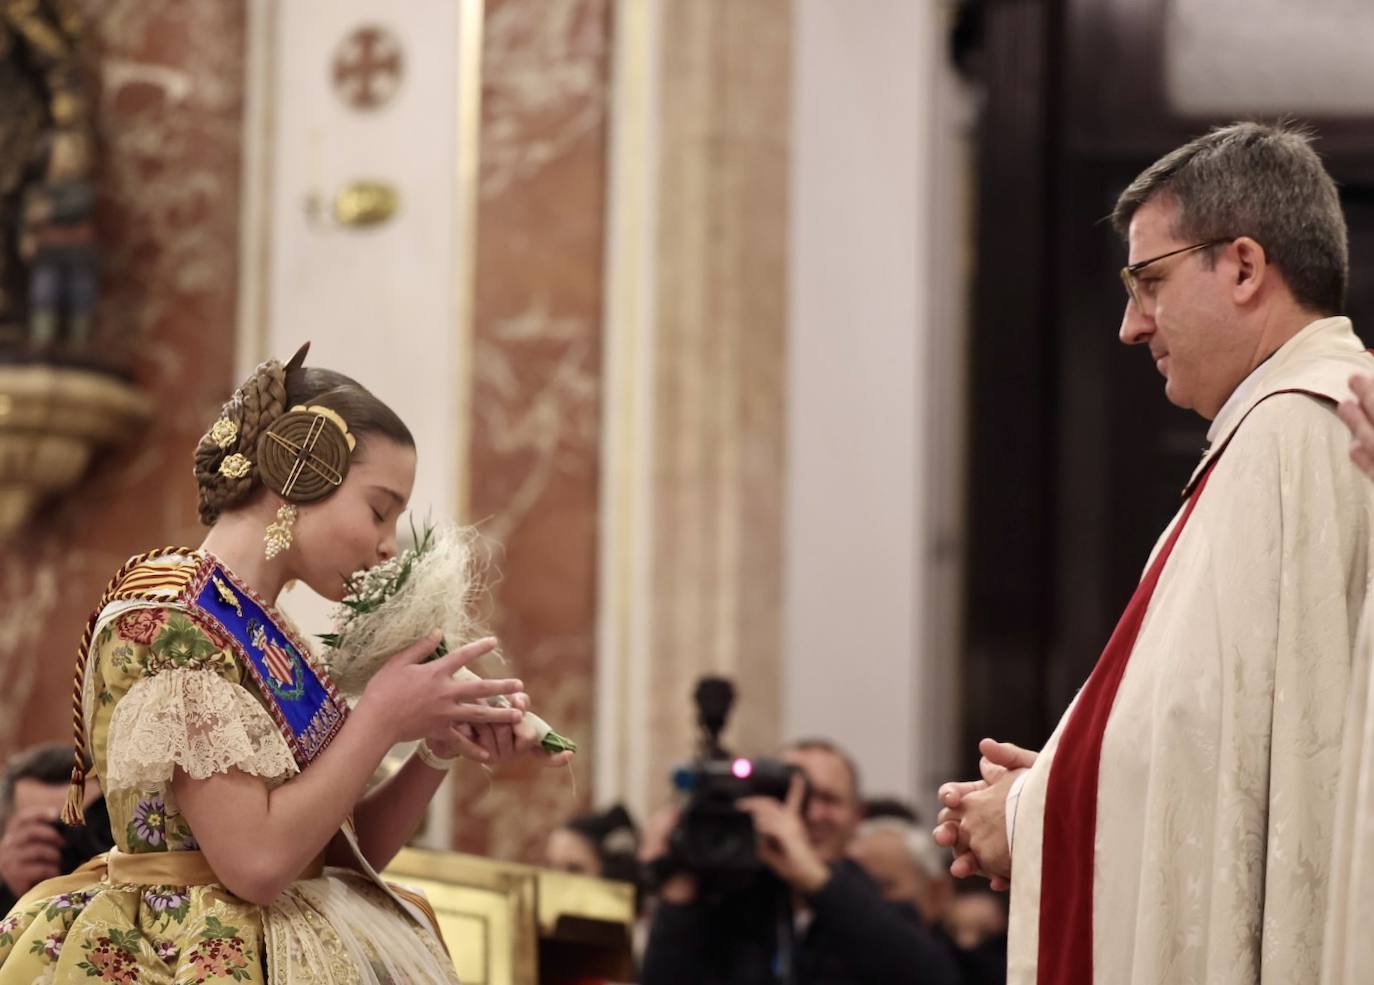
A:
(388, 607)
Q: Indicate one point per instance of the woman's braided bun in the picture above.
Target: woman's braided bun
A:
(229, 457)
(255, 405)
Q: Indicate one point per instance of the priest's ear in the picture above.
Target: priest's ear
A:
(1251, 272)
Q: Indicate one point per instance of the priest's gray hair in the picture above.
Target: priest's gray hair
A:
(1258, 180)
(932, 860)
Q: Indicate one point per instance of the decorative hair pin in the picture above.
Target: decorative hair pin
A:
(236, 466)
(304, 454)
(333, 415)
(223, 432)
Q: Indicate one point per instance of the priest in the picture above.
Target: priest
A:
(1178, 824)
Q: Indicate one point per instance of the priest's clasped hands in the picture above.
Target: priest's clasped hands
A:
(973, 815)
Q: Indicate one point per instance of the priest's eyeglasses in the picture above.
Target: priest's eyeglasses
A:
(1141, 293)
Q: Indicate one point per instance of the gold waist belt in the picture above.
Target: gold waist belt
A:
(174, 868)
(158, 868)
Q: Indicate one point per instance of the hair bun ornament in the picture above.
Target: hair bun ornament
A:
(303, 456)
(298, 360)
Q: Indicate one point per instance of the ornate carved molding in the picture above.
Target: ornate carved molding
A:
(52, 421)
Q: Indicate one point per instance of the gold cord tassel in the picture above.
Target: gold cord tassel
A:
(74, 813)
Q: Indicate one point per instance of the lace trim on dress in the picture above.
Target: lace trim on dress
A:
(194, 719)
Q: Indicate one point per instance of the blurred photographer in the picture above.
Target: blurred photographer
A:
(834, 927)
(34, 844)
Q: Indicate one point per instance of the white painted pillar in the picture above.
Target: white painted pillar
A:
(859, 540)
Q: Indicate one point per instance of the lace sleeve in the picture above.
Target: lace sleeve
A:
(195, 719)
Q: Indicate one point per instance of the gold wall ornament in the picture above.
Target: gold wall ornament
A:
(224, 432)
(366, 203)
(278, 535)
(236, 466)
(52, 422)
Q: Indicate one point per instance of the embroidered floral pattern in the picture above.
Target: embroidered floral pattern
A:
(216, 637)
(50, 947)
(66, 905)
(114, 957)
(179, 832)
(122, 657)
(167, 951)
(221, 953)
(148, 829)
(181, 643)
(141, 625)
(7, 929)
(168, 902)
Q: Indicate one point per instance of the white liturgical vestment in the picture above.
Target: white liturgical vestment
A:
(1217, 778)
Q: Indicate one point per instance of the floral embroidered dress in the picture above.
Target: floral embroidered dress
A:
(165, 689)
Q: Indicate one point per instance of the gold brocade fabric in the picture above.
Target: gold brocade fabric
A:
(153, 912)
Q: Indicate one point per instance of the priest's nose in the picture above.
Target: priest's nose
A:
(1135, 327)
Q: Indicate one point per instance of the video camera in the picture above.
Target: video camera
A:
(715, 839)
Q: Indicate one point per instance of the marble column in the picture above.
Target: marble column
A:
(535, 436)
(691, 547)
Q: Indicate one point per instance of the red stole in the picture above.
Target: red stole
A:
(1066, 880)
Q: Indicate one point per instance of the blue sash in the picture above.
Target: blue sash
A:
(303, 702)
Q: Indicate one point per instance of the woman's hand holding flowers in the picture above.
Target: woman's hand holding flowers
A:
(411, 699)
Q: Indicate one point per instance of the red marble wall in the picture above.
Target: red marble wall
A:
(170, 76)
(535, 439)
